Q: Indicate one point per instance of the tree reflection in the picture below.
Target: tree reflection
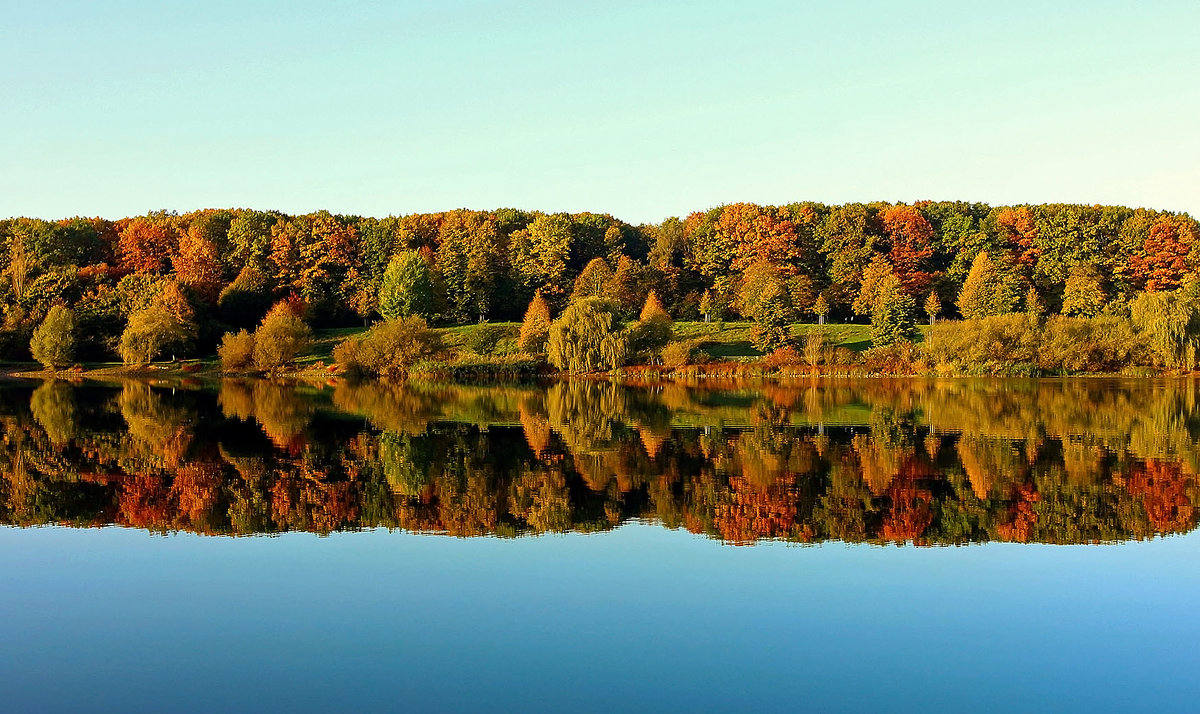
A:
(922, 462)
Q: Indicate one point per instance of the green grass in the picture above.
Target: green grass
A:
(731, 340)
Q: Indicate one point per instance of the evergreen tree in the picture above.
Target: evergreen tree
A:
(653, 309)
(892, 317)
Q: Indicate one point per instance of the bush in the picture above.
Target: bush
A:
(681, 354)
(388, 349)
(281, 338)
(588, 338)
(999, 344)
(1098, 344)
(815, 346)
(236, 351)
(53, 342)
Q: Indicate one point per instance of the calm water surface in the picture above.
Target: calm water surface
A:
(850, 545)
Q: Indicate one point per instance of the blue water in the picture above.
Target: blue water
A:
(641, 618)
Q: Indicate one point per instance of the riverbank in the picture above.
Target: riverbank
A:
(715, 350)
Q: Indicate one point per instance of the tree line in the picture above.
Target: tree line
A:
(176, 283)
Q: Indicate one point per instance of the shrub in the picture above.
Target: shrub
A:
(681, 354)
(587, 337)
(1098, 344)
(648, 337)
(281, 338)
(236, 351)
(991, 345)
(816, 343)
(53, 341)
(782, 357)
(388, 349)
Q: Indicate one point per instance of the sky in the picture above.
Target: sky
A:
(639, 109)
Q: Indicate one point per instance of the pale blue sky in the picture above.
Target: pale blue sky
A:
(641, 109)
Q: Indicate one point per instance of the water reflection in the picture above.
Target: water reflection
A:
(925, 462)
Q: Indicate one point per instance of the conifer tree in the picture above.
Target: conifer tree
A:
(892, 316)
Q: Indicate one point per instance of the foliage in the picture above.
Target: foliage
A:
(153, 331)
(281, 338)
(53, 342)
(988, 290)
(389, 349)
(892, 314)
(407, 288)
(236, 351)
(1084, 294)
(1169, 321)
(535, 328)
(245, 301)
(588, 337)
(484, 338)
(593, 281)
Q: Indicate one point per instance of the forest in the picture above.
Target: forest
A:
(883, 461)
(1114, 282)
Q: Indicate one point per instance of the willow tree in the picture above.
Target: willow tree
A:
(588, 337)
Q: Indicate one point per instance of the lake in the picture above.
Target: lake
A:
(835, 545)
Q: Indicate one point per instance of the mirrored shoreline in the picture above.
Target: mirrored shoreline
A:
(924, 462)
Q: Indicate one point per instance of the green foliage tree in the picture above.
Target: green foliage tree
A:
(407, 288)
(281, 338)
(988, 290)
(1083, 295)
(873, 278)
(151, 332)
(1169, 321)
(588, 337)
(53, 342)
(246, 300)
(892, 316)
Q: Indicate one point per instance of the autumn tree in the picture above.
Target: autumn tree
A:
(876, 273)
(1083, 295)
(535, 328)
(198, 265)
(281, 337)
(540, 253)
(821, 309)
(145, 245)
(910, 236)
(53, 343)
(1166, 255)
(593, 280)
(988, 290)
(933, 306)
